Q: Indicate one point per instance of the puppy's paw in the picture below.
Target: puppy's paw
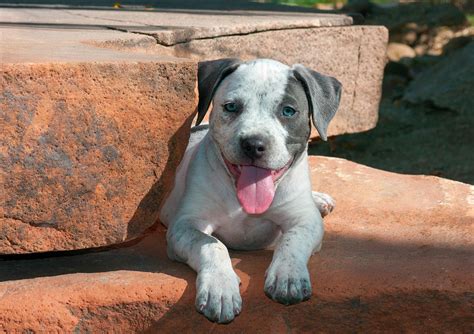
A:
(324, 202)
(288, 283)
(218, 295)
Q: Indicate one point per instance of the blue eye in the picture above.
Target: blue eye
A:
(230, 107)
(288, 112)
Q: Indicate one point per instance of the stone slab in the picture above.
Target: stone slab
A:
(170, 28)
(88, 149)
(396, 257)
(53, 45)
(325, 42)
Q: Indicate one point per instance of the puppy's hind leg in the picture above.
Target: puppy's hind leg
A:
(324, 202)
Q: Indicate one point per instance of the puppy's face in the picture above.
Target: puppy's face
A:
(260, 117)
(261, 120)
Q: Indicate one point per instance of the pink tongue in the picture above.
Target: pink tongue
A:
(255, 189)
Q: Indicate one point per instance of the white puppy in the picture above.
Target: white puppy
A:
(244, 183)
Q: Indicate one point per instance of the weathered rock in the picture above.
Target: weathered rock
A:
(171, 28)
(420, 49)
(410, 37)
(433, 40)
(397, 51)
(39, 46)
(355, 55)
(397, 257)
(88, 150)
(448, 84)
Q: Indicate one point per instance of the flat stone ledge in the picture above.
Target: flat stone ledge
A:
(186, 27)
(325, 42)
(22, 45)
(396, 257)
(170, 28)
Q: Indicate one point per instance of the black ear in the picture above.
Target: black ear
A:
(323, 93)
(210, 75)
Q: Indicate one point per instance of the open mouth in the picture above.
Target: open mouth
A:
(255, 185)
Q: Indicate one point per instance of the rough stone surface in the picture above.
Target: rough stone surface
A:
(397, 51)
(325, 42)
(186, 27)
(170, 28)
(88, 150)
(448, 84)
(21, 45)
(397, 257)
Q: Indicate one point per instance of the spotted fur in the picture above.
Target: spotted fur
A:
(203, 214)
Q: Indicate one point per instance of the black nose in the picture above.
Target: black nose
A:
(253, 147)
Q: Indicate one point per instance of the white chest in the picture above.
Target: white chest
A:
(244, 232)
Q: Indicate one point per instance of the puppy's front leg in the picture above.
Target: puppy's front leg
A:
(217, 284)
(287, 279)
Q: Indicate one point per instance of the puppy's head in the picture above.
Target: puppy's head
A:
(260, 119)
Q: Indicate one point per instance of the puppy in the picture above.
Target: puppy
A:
(244, 180)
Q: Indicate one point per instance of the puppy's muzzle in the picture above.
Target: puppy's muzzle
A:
(253, 147)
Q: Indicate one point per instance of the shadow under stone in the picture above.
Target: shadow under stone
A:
(410, 139)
